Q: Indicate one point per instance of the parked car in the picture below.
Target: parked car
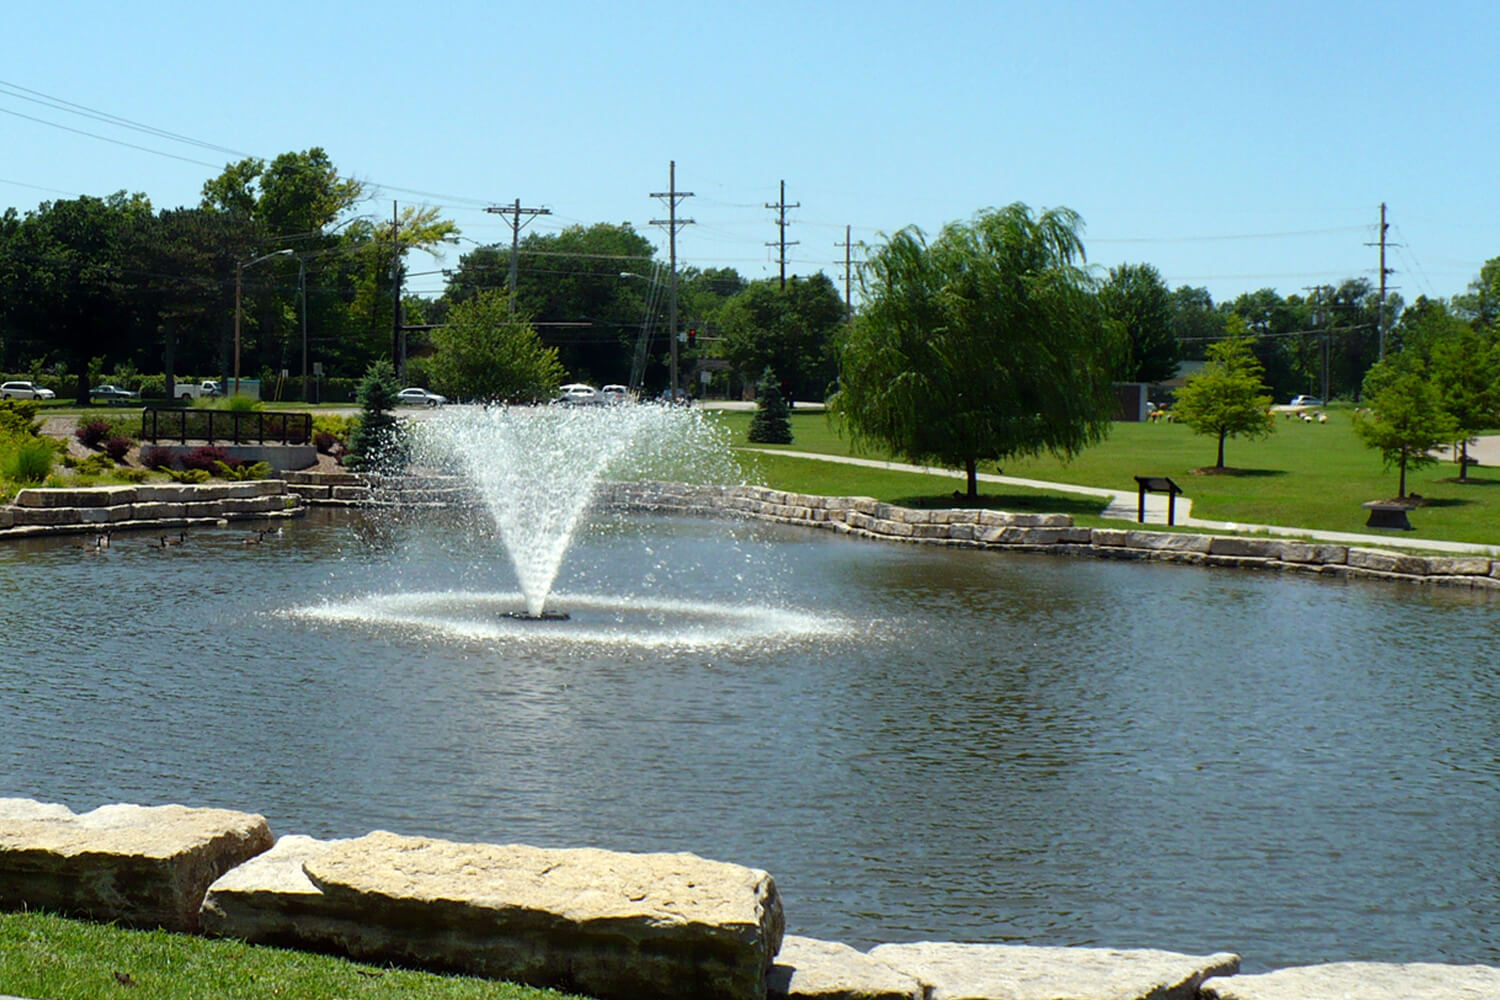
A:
(578, 394)
(112, 394)
(25, 390)
(675, 397)
(417, 396)
(615, 393)
(1306, 401)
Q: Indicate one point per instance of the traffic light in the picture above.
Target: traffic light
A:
(692, 337)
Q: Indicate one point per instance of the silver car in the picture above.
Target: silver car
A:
(25, 390)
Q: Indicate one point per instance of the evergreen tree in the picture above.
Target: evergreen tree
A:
(772, 423)
(377, 444)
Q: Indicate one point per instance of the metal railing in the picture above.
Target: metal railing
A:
(230, 426)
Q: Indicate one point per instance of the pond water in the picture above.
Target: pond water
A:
(919, 743)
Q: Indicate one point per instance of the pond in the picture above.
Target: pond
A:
(919, 743)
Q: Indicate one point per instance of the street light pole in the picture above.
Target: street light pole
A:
(239, 270)
(302, 295)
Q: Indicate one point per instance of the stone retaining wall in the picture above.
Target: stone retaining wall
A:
(602, 923)
(152, 506)
(1056, 534)
(1053, 534)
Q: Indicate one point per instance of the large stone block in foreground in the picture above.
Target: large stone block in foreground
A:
(1362, 981)
(1019, 972)
(809, 969)
(597, 922)
(144, 866)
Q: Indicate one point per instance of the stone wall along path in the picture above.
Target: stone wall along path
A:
(144, 866)
(603, 923)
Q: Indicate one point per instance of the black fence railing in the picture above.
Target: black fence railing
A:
(233, 427)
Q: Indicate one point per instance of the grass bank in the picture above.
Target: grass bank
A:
(44, 956)
(1312, 476)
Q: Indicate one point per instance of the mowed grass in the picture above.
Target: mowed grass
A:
(52, 958)
(1303, 475)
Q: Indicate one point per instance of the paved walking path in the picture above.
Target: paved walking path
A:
(1124, 504)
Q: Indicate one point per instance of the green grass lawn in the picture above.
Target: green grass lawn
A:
(1304, 475)
(50, 958)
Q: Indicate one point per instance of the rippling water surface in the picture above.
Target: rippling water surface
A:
(918, 743)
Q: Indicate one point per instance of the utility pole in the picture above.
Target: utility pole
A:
(848, 246)
(515, 212)
(781, 207)
(398, 355)
(1383, 272)
(673, 223)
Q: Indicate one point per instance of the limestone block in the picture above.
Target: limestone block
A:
(1386, 562)
(92, 496)
(996, 517)
(1256, 548)
(930, 530)
(1309, 552)
(270, 900)
(147, 511)
(1166, 541)
(1361, 981)
(1019, 972)
(809, 969)
(606, 924)
(96, 515)
(144, 866)
(1113, 537)
(351, 493)
(46, 515)
(1459, 565)
(166, 493)
(7, 517)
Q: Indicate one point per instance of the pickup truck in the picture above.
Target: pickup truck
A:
(190, 390)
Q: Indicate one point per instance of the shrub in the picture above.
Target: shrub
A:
(324, 442)
(771, 424)
(29, 460)
(243, 471)
(94, 465)
(91, 432)
(203, 458)
(117, 446)
(189, 476)
(18, 418)
(156, 457)
(133, 475)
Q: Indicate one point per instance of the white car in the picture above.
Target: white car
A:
(417, 396)
(1306, 401)
(615, 393)
(25, 390)
(578, 394)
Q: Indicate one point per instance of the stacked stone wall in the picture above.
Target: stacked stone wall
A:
(102, 509)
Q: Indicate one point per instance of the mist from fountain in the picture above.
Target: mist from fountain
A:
(537, 469)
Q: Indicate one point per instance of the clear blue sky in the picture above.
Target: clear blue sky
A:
(1232, 146)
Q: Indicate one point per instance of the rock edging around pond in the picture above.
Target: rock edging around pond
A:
(146, 507)
(864, 517)
(604, 923)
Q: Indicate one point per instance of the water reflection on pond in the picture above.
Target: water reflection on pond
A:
(918, 743)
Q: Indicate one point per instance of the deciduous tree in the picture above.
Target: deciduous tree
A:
(1137, 300)
(489, 351)
(1227, 399)
(1406, 422)
(983, 345)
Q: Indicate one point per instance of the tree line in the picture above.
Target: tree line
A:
(107, 284)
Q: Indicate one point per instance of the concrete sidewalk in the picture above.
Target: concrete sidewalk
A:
(1124, 505)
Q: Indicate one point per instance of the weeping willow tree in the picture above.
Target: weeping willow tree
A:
(986, 344)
